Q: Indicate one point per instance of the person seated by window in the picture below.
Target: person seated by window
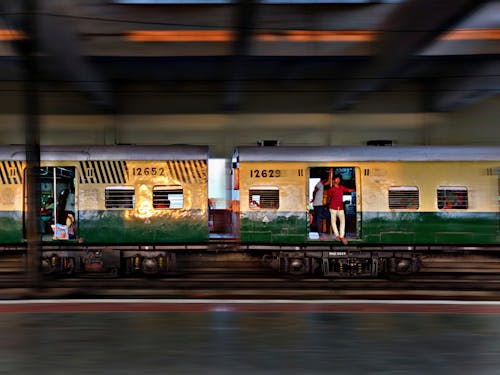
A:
(254, 204)
(47, 215)
(70, 223)
(163, 204)
(447, 203)
(460, 202)
(411, 204)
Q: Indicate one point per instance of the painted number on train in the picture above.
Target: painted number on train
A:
(148, 171)
(265, 173)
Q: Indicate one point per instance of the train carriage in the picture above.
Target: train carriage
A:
(404, 197)
(133, 208)
(124, 197)
(145, 195)
(11, 196)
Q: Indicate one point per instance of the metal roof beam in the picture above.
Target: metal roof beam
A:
(480, 81)
(411, 26)
(246, 15)
(58, 39)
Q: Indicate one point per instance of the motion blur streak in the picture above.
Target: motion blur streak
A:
(298, 36)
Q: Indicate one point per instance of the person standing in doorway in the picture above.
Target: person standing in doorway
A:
(336, 206)
(69, 210)
(319, 206)
(69, 207)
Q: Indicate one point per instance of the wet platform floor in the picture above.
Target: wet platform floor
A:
(249, 337)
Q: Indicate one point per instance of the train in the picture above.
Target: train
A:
(129, 209)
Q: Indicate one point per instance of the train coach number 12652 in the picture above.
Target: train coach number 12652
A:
(265, 173)
(148, 171)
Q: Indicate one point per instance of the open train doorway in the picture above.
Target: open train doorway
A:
(58, 212)
(321, 180)
(219, 202)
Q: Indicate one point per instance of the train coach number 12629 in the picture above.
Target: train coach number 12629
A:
(265, 173)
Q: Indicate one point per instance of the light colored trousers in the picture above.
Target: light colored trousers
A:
(334, 214)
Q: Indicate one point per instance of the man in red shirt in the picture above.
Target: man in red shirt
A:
(336, 206)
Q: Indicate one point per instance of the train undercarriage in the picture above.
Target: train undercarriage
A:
(107, 261)
(162, 260)
(344, 263)
(303, 260)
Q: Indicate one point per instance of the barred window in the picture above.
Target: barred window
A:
(264, 197)
(455, 197)
(168, 196)
(121, 197)
(404, 198)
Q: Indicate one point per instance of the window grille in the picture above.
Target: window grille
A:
(266, 197)
(168, 197)
(121, 197)
(452, 197)
(404, 198)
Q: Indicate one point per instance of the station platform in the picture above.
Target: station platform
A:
(249, 337)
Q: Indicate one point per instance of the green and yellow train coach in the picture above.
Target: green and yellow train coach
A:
(108, 198)
(404, 197)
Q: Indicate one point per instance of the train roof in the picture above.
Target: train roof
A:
(113, 152)
(368, 153)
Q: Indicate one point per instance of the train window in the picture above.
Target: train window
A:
(455, 197)
(264, 197)
(168, 196)
(404, 198)
(122, 197)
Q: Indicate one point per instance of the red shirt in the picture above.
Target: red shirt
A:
(336, 194)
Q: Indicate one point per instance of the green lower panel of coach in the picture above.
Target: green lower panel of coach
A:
(272, 227)
(381, 228)
(11, 227)
(118, 227)
(431, 228)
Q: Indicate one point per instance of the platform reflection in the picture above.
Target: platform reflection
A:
(230, 342)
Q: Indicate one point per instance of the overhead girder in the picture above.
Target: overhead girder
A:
(61, 52)
(412, 25)
(245, 19)
(477, 82)
(405, 32)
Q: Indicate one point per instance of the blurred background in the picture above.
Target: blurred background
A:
(223, 73)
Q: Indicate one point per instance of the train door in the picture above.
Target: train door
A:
(219, 200)
(320, 181)
(58, 211)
